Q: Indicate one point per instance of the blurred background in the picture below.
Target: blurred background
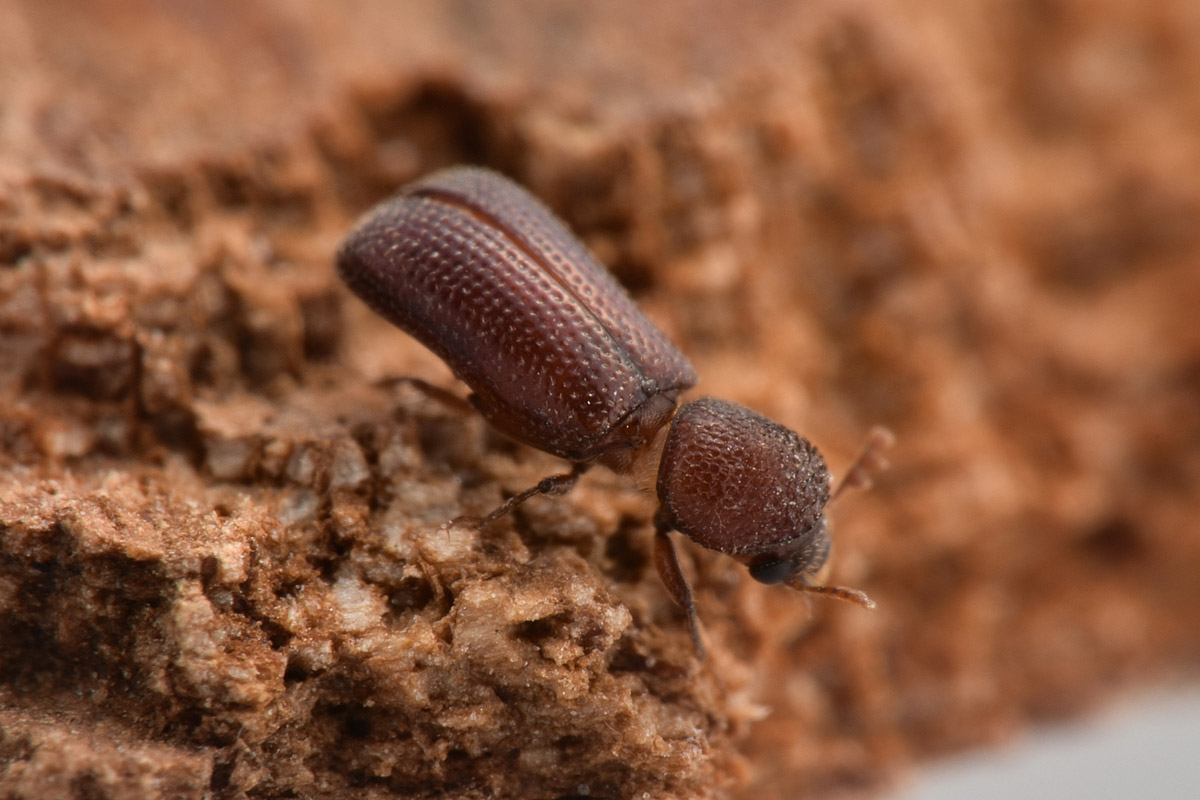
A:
(1147, 746)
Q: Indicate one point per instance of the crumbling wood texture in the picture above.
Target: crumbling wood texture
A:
(225, 569)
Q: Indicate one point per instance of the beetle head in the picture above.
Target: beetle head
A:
(736, 482)
(803, 563)
(801, 560)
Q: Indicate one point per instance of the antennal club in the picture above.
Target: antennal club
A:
(852, 596)
(870, 461)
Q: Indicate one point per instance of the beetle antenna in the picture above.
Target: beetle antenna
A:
(852, 596)
(871, 460)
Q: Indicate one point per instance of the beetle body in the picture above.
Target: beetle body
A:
(554, 350)
(557, 355)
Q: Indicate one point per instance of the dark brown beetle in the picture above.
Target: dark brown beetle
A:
(558, 356)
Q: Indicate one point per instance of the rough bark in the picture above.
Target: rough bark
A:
(224, 564)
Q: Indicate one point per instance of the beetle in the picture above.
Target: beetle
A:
(558, 356)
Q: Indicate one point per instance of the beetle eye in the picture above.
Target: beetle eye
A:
(771, 571)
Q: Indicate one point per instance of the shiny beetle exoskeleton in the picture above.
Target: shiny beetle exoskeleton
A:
(557, 355)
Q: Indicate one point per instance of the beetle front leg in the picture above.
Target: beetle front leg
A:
(666, 559)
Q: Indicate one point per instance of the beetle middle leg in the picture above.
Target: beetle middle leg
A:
(550, 486)
(434, 392)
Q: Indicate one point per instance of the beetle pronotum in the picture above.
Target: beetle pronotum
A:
(557, 355)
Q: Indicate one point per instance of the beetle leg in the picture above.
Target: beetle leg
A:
(667, 561)
(551, 486)
(434, 392)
